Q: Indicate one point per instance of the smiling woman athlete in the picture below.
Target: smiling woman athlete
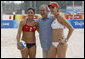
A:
(59, 43)
(27, 27)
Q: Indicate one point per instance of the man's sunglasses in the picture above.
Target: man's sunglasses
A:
(51, 7)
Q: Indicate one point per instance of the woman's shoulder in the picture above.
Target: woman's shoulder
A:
(61, 15)
(23, 21)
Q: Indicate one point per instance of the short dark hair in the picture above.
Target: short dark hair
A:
(31, 9)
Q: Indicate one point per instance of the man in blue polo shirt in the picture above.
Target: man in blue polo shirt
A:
(45, 30)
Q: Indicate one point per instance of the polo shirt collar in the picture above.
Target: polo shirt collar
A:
(46, 18)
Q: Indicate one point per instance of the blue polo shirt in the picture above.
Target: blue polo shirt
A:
(45, 32)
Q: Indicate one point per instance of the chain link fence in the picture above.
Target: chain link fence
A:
(9, 8)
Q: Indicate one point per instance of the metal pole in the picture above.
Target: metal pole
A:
(1, 11)
(83, 5)
(50, 1)
(73, 9)
(35, 5)
(30, 3)
(66, 7)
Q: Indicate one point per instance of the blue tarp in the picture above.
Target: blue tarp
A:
(9, 24)
(77, 23)
(14, 24)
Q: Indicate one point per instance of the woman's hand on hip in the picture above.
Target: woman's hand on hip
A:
(62, 41)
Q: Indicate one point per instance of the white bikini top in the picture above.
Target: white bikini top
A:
(56, 25)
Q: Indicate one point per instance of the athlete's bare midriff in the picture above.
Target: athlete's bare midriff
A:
(57, 33)
(28, 37)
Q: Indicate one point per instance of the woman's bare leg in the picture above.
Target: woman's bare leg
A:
(24, 53)
(32, 52)
(61, 50)
(52, 52)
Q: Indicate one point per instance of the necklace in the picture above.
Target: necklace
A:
(30, 23)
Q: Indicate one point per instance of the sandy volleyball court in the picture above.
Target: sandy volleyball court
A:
(9, 47)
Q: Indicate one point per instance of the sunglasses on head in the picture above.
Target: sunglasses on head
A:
(51, 7)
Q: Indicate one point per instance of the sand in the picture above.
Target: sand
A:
(9, 47)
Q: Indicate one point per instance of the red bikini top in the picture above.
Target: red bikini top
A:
(27, 28)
